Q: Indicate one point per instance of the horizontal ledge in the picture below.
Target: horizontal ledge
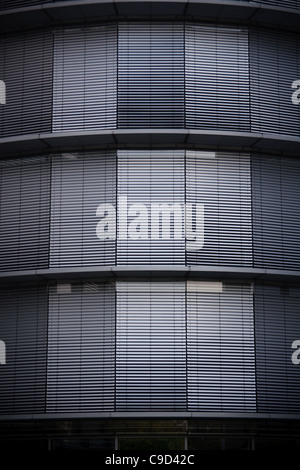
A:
(139, 138)
(148, 273)
(177, 415)
(91, 10)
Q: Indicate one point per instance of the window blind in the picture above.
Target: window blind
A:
(85, 78)
(220, 347)
(274, 66)
(277, 327)
(222, 183)
(276, 218)
(150, 75)
(80, 183)
(217, 77)
(23, 327)
(151, 358)
(81, 342)
(153, 230)
(24, 213)
(26, 68)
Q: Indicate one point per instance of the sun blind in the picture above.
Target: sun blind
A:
(84, 82)
(277, 327)
(151, 207)
(24, 213)
(274, 66)
(221, 182)
(220, 347)
(276, 217)
(26, 69)
(23, 327)
(151, 358)
(80, 184)
(217, 77)
(81, 342)
(151, 75)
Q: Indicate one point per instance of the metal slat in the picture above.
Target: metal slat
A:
(217, 77)
(81, 348)
(223, 185)
(24, 213)
(150, 354)
(85, 78)
(276, 218)
(277, 325)
(23, 326)
(149, 177)
(220, 350)
(274, 66)
(150, 75)
(80, 183)
(26, 62)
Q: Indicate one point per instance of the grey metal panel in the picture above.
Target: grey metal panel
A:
(151, 346)
(80, 183)
(151, 75)
(26, 68)
(24, 213)
(23, 328)
(274, 66)
(222, 182)
(277, 324)
(151, 177)
(85, 78)
(217, 77)
(276, 217)
(81, 347)
(220, 347)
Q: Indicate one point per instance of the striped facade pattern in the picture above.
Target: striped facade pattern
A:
(216, 77)
(249, 210)
(149, 346)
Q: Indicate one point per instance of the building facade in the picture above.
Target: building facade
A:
(149, 224)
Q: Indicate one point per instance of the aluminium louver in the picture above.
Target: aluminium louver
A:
(85, 78)
(26, 68)
(23, 327)
(80, 183)
(24, 213)
(220, 347)
(151, 75)
(151, 345)
(81, 347)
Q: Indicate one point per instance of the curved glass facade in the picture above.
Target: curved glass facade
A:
(149, 225)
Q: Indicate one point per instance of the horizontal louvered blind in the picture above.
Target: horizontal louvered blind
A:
(274, 66)
(148, 234)
(23, 328)
(276, 217)
(85, 78)
(151, 359)
(277, 323)
(26, 68)
(217, 77)
(81, 347)
(8, 4)
(220, 347)
(151, 75)
(221, 182)
(80, 183)
(24, 213)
